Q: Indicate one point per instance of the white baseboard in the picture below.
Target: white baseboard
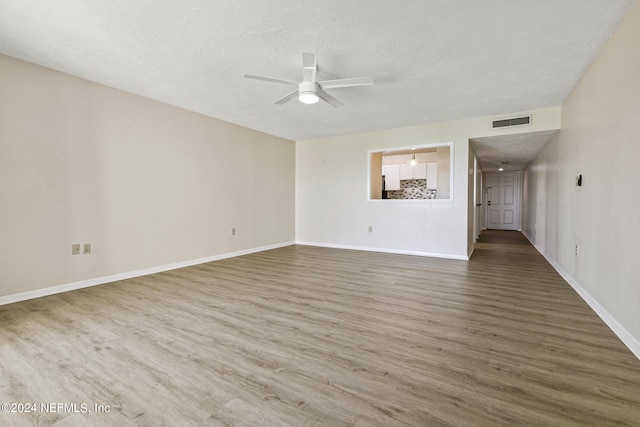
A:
(629, 340)
(384, 250)
(37, 293)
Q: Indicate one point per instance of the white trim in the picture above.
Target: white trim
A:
(629, 340)
(384, 250)
(37, 293)
(471, 249)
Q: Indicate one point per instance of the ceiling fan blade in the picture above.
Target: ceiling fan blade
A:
(270, 79)
(309, 66)
(356, 81)
(287, 98)
(329, 99)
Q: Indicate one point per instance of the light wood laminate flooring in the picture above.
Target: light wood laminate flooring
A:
(308, 336)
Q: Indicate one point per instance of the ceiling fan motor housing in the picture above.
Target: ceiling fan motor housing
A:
(308, 92)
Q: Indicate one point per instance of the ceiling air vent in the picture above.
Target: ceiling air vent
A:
(516, 121)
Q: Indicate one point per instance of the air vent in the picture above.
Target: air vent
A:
(516, 121)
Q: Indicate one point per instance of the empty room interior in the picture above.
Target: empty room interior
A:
(338, 213)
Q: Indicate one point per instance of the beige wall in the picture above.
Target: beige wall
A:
(471, 184)
(375, 176)
(145, 183)
(600, 139)
(444, 172)
(332, 206)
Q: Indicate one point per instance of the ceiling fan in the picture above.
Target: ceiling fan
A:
(309, 91)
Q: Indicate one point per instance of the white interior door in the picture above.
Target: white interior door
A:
(503, 200)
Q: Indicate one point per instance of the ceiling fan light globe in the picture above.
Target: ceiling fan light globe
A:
(308, 97)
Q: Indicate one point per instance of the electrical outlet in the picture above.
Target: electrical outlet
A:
(233, 231)
(86, 248)
(75, 249)
(371, 229)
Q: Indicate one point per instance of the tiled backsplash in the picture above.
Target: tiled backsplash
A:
(412, 189)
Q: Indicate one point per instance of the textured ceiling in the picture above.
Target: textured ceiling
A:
(432, 60)
(511, 152)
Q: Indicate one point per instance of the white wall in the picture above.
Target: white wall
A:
(600, 139)
(332, 206)
(145, 183)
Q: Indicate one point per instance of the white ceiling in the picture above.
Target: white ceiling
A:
(432, 60)
(511, 152)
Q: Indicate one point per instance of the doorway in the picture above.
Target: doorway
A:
(503, 201)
